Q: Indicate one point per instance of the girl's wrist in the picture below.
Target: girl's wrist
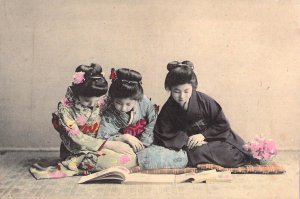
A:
(120, 138)
(123, 138)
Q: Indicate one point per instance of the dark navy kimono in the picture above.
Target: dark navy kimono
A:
(174, 125)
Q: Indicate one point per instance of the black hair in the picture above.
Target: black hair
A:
(127, 84)
(180, 73)
(94, 84)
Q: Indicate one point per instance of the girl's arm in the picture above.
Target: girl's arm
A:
(219, 127)
(119, 147)
(147, 136)
(165, 133)
(70, 132)
(108, 130)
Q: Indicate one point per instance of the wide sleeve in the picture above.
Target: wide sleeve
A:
(108, 129)
(72, 136)
(166, 133)
(151, 115)
(218, 127)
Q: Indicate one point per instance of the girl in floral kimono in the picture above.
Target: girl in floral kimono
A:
(195, 122)
(77, 120)
(131, 117)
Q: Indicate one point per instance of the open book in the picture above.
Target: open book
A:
(121, 174)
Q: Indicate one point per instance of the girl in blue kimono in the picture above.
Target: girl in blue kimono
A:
(193, 121)
(131, 117)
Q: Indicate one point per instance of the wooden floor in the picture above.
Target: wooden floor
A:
(17, 182)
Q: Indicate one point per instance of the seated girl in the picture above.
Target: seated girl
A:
(195, 122)
(77, 120)
(131, 117)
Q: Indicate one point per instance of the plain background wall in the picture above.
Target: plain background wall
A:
(246, 55)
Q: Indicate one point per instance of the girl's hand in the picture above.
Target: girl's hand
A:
(135, 143)
(195, 140)
(119, 147)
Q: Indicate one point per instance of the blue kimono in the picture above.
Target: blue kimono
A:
(112, 121)
(153, 156)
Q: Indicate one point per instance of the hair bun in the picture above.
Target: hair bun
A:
(188, 63)
(92, 71)
(98, 83)
(89, 81)
(176, 64)
(125, 74)
(96, 71)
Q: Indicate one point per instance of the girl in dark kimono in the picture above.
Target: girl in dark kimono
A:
(195, 122)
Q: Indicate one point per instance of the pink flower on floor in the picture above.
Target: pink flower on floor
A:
(124, 159)
(57, 174)
(81, 119)
(72, 132)
(78, 77)
(261, 148)
(66, 102)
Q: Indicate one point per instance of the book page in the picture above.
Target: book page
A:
(205, 176)
(115, 173)
(136, 178)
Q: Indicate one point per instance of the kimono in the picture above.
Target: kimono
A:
(80, 152)
(113, 121)
(153, 156)
(204, 115)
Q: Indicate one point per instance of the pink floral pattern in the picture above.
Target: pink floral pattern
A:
(57, 174)
(78, 77)
(66, 102)
(101, 101)
(81, 120)
(124, 159)
(72, 132)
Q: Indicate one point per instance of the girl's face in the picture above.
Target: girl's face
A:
(88, 101)
(182, 93)
(124, 104)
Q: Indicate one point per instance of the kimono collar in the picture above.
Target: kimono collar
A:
(122, 117)
(193, 107)
(70, 94)
(192, 110)
(75, 101)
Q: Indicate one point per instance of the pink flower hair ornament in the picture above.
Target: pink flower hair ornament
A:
(78, 77)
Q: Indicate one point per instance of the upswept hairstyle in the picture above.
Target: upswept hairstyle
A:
(180, 73)
(93, 82)
(126, 83)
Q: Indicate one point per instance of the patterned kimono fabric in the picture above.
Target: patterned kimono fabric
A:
(81, 152)
(204, 115)
(114, 122)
